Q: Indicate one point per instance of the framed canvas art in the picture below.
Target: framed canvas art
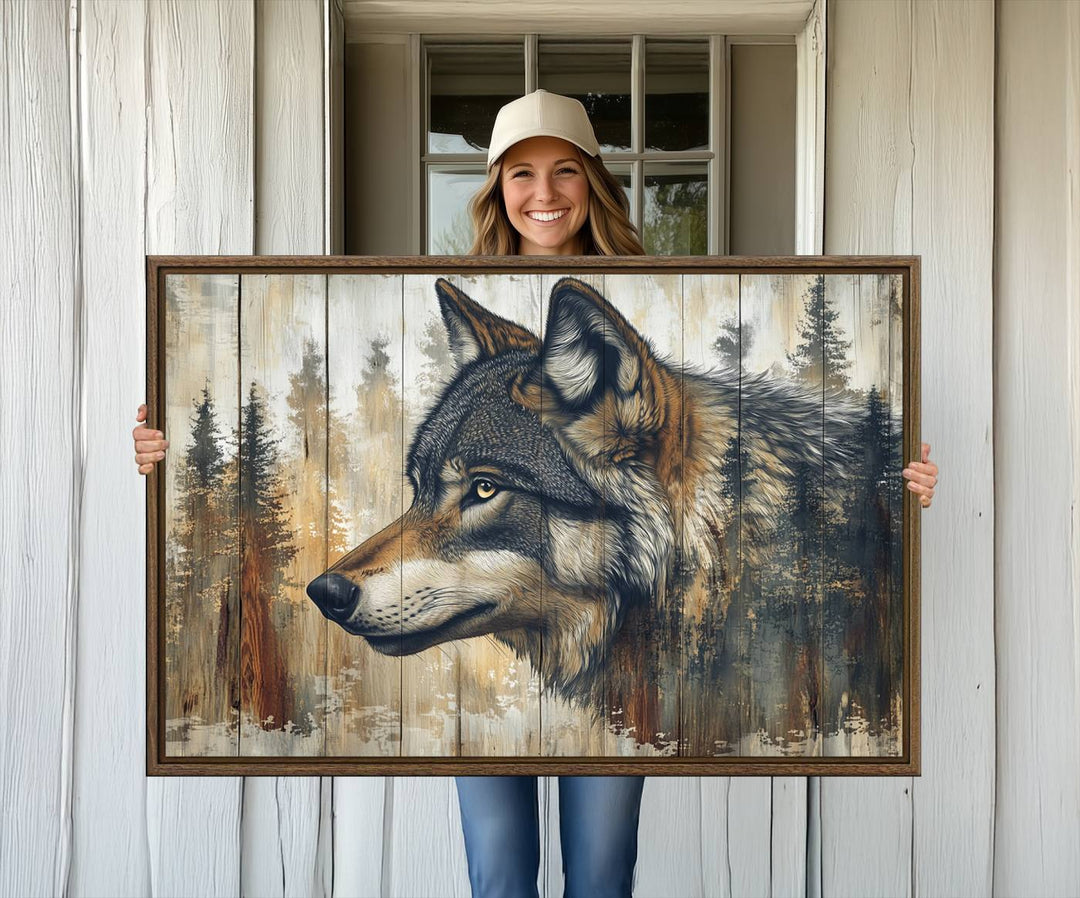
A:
(615, 515)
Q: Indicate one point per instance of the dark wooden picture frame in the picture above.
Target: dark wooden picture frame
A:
(564, 515)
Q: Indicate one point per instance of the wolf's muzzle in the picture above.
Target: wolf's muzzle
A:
(335, 595)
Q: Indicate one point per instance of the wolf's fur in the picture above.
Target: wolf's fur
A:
(604, 546)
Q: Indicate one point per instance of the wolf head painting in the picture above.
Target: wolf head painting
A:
(578, 499)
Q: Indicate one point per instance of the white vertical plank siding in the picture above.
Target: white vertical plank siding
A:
(109, 811)
(280, 829)
(551, 875)
(715, 860)
(952, 227)
(424, 848)
(749, 812)
(1072, 288)
(41, 440)
(739, 850)
(290, 162)
(280, 833)
(788, 837)
(1037, 374)
(910, 170)
(199, 199)
(361, 805)
(669, 837)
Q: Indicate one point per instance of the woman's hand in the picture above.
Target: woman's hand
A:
(922, 477)
(150, 444)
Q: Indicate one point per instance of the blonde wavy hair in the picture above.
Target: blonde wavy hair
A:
(608, 230)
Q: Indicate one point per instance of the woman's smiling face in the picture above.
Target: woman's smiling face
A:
(546, 195)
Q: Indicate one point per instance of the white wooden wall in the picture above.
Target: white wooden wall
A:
(183, 127)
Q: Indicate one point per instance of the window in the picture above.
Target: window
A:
(652, 102)
(701, 131)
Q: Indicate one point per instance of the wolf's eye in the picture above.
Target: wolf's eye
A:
(484, 489)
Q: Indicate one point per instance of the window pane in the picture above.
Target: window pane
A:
(466, 86)
(623, 175)
(597, 74)
(676, 209)
(676, 95)
(449, 190)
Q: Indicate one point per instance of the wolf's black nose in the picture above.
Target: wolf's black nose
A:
(335, 596)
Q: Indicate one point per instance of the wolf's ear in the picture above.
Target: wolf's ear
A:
(474, 332)
(589, 347)
(606, 388)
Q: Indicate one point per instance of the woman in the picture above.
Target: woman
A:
(548, 193)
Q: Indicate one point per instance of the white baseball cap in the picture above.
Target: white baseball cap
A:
(541, 114)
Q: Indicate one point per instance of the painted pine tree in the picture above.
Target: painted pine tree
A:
(266, 549)
(202, 654)
(822, 353)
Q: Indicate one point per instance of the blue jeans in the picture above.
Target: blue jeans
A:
(598, 822)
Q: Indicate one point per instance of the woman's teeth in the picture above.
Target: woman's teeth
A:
(546, 216)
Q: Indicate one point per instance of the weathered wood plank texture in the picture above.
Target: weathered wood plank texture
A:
(492, 676)
(1036, 832)
(108, 817)
(42, 441)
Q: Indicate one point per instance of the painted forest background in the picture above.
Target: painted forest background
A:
(289, 423)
